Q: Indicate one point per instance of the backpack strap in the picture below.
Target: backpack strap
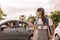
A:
(47, 21)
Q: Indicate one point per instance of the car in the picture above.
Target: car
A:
(57, 32)
(21, 30)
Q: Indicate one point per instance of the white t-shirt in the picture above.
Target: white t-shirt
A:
(49, 21)
(40, 23)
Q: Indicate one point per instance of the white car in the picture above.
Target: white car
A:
(57, 32)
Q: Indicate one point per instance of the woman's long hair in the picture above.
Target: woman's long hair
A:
(42, 14)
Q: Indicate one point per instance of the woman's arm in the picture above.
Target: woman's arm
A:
(52, 26)
(53, 29)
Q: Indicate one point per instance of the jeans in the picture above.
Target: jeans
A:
(40, 34)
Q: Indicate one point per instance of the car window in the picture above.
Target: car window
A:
(11, 24)
(8, 24)
(22, 24)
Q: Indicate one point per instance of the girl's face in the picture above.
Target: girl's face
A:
(38, 14)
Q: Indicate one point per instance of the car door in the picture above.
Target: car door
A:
(23, 26)
(8, 33)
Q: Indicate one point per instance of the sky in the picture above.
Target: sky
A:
(14, 8)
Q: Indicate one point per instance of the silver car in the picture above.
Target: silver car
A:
(19, 31)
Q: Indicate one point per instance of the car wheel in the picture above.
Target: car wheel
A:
(56, 37)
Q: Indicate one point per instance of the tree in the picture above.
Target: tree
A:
(47, 16)
(55, 16)
(22, 17)
(2, 15)
(31, 17)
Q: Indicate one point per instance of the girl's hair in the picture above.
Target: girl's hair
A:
(42, 14)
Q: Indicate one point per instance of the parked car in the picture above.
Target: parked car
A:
(57, 32)
(19, 31)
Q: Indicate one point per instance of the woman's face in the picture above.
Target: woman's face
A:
(38, 14)
(11, 25)
(30, 20)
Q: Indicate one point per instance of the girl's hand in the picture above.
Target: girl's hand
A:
(45, 27)
(50, 36)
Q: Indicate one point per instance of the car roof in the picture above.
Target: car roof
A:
(11, 20)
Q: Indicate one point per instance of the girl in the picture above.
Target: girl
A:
(41, 25)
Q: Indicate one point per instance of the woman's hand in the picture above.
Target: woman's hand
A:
(45, 27)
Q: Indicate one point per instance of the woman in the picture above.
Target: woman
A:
(41, 25)
(31, 22)
(10, 25)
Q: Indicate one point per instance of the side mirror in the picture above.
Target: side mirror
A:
(3, 27)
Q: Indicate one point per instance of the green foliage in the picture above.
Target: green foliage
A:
(2, 14)
(22, 17)
(47, 16)
(55, 16)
